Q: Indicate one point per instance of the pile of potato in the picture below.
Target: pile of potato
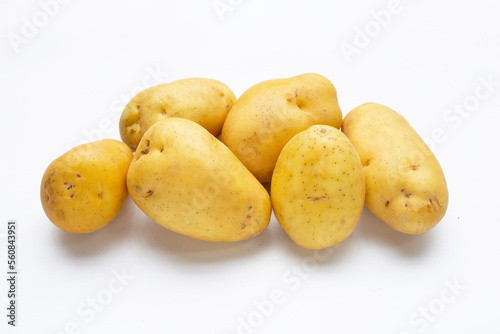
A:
(282, 131)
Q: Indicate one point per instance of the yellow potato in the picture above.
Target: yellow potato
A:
(186, 180)
(270, 113)
(405, 185)
(318, 187)
(204, 101)
(85, 188)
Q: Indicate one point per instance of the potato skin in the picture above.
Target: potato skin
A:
(318, 187)
(85, 188)
(204, 101)
(270, 113)
(405, 185)
(186, 180)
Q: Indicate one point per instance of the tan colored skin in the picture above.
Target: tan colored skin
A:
(186, 180)
(85, 188)
(270, 113)
(405, 185)
(204, 101)
(318, 187)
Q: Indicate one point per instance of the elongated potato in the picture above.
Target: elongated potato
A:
(204, 101)
(186, 180)
(85, 188)
(270, 113)
(318, 187)
(405, 185)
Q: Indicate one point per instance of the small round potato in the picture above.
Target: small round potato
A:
(405, 185)
(85, 188)
(204, 101)
(318, 187)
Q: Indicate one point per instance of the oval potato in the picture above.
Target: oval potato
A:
(405, 185)
(85, 188)
(270, 113)
(186, 180)
(204, 101)
(318, 187)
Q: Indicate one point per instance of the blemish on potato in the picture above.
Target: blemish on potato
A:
(317, 198)
(149, 193)
(414, 166)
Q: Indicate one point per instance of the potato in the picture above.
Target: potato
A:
(85, 188)
(204, 101)
(186, 180)
(405, 185)
(318, 187)
(270, 113)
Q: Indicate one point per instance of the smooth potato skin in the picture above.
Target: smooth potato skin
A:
(204, 101)
(405, 185)
(186, 180)
(318, 187)
(85, 188)
(270, 113)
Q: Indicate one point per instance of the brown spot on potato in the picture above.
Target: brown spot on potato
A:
(248, 217)
(317, 198)
(414, 166)
(149, 193)
(387, 203)
(145, 151)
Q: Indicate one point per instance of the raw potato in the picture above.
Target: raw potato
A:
(186, 180)
(204, 101)
(270, 113)
(85, 188)
(405, 185)
(318, 187)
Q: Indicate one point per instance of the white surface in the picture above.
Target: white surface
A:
(69, 79)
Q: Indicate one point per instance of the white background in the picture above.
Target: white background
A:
(69, 78)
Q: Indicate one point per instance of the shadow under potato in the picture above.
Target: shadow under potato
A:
(94, 243)
(372, 229)
(173, 244)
